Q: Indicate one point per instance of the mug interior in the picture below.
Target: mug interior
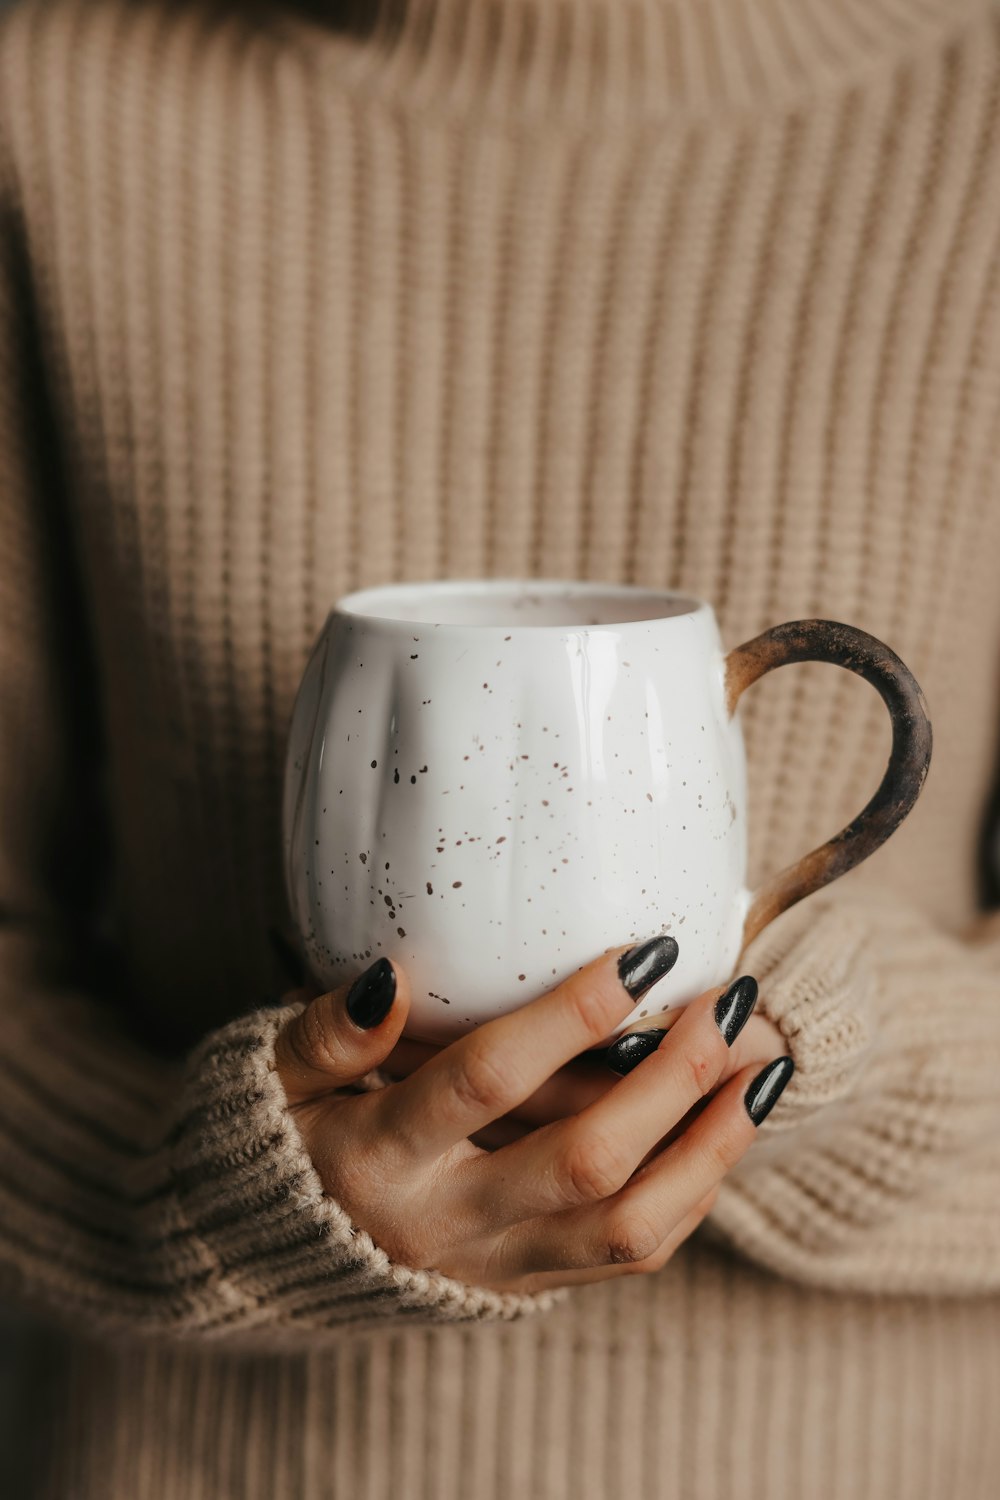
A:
(514, 602)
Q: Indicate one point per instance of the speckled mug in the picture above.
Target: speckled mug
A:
(494, 781)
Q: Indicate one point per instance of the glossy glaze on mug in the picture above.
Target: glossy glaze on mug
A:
(495, 802)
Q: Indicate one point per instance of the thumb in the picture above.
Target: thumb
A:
(343, 1035)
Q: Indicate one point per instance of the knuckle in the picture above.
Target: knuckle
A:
(702, 1068)
(315, 1038)
(486, 1081)
(591, 1013)
(630, 1239)
(724, 1148)
(591, 1169)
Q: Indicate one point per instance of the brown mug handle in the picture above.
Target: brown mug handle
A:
(828, 640)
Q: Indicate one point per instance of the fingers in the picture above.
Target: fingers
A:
(759, 1040)
(715, 1141)
(758, 1043)
(343, 1035)
(567, 1092)
(569, 1089)
(590, 1156)
(662, 1021)
(683, 1231)
(635, 1227)
(492, 1070)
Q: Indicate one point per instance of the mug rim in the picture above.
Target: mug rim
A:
(358, 604)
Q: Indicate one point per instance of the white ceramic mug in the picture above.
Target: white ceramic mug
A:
(494, 781)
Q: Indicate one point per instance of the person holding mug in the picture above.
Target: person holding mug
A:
(633, 691)
(302, 300)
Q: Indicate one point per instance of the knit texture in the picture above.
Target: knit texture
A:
(297, 299)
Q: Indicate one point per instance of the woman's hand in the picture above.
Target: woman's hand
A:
(576, 1199)
(586, 1078)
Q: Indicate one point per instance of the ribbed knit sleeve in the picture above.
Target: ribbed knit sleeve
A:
(881, 1170)
(135, 1194)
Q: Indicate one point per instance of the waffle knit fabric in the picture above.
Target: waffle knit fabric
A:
(690, 294)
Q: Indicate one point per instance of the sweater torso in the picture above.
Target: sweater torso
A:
(306, 332)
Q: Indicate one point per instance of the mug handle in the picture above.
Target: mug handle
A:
(844, 646)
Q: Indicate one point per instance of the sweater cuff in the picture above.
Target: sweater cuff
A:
(278, 1248)
(891, 1186)
(811, 964)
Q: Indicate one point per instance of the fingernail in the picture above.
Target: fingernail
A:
(765, 1090)
(629, 1050)
(641, 967)
(370, 997)
(732, 1010)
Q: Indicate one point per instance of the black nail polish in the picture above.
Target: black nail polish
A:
(765, 1090)
(629, 1050)
(370, 997)
(732, 1010)
(641, 967)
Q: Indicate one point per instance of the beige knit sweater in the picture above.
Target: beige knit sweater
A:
(697, 293)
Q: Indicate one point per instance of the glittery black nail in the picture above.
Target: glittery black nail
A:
(641, 967)
(732, 1010)
(629, 1050)
(765, 1090)
(370, 997)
